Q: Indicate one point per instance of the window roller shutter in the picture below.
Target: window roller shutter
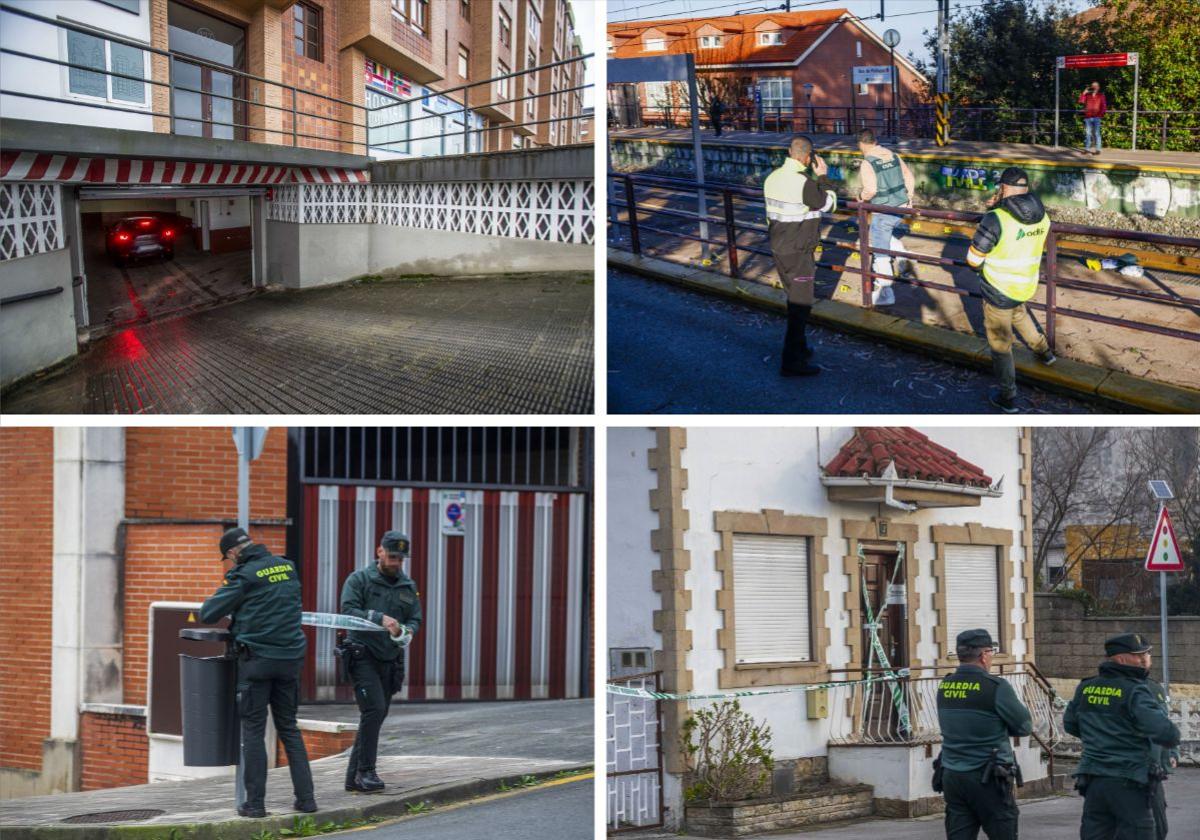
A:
(771, 599)
(972, 591)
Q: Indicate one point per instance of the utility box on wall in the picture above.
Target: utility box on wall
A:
(817, 703)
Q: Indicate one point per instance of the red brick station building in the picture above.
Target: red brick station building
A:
(110, 542)
(764, 63)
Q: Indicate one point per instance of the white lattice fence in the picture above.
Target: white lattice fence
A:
(633, 772)
(30, 220)
(552, 211)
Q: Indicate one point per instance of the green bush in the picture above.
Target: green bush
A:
(728, 754)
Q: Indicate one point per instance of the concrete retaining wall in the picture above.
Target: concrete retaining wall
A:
(36, 333)
(1070, 644)
(305, 256)
(561, 163)
(954, 182)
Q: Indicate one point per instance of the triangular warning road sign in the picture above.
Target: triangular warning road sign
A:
(1164, 553)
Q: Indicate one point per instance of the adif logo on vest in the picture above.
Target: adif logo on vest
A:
(1037, 231)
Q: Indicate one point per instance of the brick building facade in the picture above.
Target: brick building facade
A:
(406, 59)
(103, 523)
(767, 69)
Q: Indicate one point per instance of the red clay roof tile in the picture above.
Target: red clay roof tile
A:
(915, 456)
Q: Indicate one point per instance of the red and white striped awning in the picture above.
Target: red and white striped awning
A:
(70, 169)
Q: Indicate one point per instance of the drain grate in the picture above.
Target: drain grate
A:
(115, 816)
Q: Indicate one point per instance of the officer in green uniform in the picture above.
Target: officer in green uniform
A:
(978, 713)
(1118, 717)
(261, 594)
(375, 662)
(1167, 759)
(796, 194)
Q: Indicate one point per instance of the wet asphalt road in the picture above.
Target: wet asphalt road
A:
(675, 351)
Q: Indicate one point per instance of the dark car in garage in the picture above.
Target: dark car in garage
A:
(136, 237)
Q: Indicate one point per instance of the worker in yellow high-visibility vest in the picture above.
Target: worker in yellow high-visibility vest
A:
(796, 195)
(1007, 248)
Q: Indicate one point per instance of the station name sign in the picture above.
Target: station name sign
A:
(1081, 62)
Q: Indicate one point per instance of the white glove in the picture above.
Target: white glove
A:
(404, 637)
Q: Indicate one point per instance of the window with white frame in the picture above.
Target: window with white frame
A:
(972, 590)
(464, 61)
(96, 51)
(505, 28)
(611, 48)
(770, 39)
(502, 85)
(858, 49)
(863, 90)
(775, 93)
(654, 44)
(709, 42)
(386, 128)
(533, 25)
(772, 599)
(531, 89)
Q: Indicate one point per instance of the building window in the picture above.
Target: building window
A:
(654, 44)
(772, 599)
(611, 48)
(502, 85)
(776, 93)
(863, 90)
(770, 39)
(858, 49)
(517, 141)
(533, 25)
(413, 12)
(531, 91)
(505, 28)
(464, 8)
(709, 42)
(308, 31)
(386, 129)
(94, 51)
(131, 6)
(464, 61)
(972, 591)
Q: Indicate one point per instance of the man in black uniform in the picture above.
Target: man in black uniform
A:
(261, 594)
(978, 713)
(1119, 720)
(386, 595)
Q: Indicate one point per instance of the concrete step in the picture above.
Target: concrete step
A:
(817, 806)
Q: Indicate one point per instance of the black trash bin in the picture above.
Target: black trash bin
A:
(208, 695)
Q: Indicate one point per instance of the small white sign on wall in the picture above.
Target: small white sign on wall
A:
(454, 513)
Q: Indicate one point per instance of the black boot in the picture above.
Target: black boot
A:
(253, 811)
(308, 806)
(796, 351)
(367, 782)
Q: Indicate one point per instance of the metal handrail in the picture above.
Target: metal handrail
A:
(862, 210)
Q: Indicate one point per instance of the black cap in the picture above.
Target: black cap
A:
(1126, 643)
(1014, 176)
(233, 537)
(978, 638)
(395, 542)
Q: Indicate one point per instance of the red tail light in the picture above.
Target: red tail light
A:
(167, 233)
(145, 223)
(122, 237)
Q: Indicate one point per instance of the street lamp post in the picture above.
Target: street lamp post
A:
(808, 89)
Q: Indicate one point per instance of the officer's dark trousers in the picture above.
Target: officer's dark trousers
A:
(1159, 805)
(373, 689)
(1116, 809)
(972, 805)
(275, 683)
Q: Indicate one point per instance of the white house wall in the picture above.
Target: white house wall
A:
(630, 561)
(44, 79)
(741, 469)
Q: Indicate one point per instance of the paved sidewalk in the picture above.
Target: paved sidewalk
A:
(509, 344)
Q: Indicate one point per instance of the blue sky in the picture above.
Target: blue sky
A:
(908, 17)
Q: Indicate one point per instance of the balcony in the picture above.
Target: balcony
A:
(252, 6)
(385, 37)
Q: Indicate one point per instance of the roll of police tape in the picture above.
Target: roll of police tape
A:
(647, 694)
(338, 621)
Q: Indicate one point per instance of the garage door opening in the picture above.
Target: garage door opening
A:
(163, 253)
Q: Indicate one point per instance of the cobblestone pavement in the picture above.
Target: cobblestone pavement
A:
(672, 350)
(498, 344)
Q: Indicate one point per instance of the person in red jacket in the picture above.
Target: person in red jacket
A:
(1094, 107)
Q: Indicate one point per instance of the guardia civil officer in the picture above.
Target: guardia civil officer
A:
(1119, 719)
(978, 713)
(1166, 759)
(261, 594)
(375, 661)
(796, 194)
